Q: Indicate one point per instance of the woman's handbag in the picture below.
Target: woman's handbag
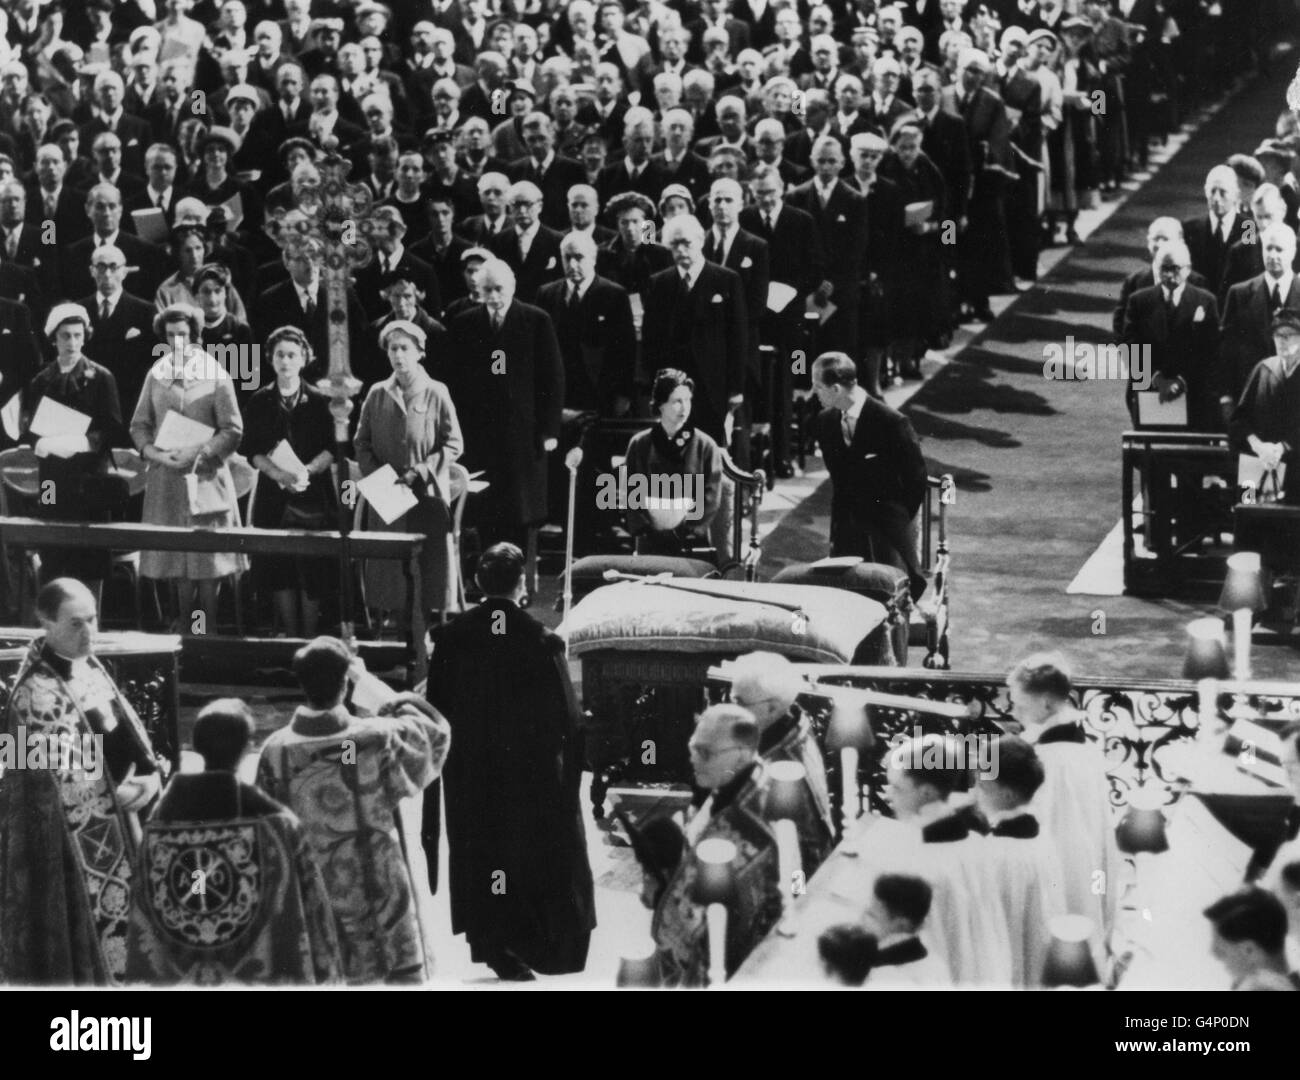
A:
(207, 495)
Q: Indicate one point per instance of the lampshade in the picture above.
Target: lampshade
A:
(715, 879)
(1207, 650)
(785, 795)
(1069, 957)
(850, 726)
(1143, 826)
(1242, 587)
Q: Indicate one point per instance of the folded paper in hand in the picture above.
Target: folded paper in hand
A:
(179, 432)
(917, 213)
(779, 295)
(1152, 412)
(283, 457)
(52, 418)
(369, 693)
(638, 309)
(234, 207)
(389, 499)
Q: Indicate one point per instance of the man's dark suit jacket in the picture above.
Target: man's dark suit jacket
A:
(1143, 279)
(1247, 338)
(842, 226)
(1187, 348)
(475, 229)
(597, 342)
(143, 200)
(20, 354)
(447, 271)
(542, 265)
(562, 174)
(1209, 253)
(124, 344)
(366, 283)
(943, 140)
(707, 336)
(748, 257)
(614, 180)
(877, 483)
(134, 132)
(794, 249)
(149, 259)
(692, 172)
(632, 269)
(42, 259)
(71, 221)
(279, 306)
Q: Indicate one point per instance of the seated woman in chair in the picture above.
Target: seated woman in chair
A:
(408, 421)
(675, 486)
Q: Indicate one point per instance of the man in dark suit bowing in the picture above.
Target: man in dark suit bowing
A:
(1180, 324)
(507, 380)
(529, 248)
(878, 476)
(695, 320)
(1251, 305)
(796, 262)
(1209, 236)
(1159, 233)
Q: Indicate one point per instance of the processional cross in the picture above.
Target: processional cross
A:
(334, 221)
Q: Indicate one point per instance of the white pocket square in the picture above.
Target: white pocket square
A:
(717, 298)
(6, 330)
(839, 219)
(600, 318)
(746, 263)
(550, 265)
(1199, 316)
(133, 333)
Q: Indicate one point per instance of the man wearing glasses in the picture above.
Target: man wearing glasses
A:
(724, 756)
(121, 326)
(529, 248)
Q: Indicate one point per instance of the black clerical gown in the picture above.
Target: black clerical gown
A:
(520, 879)
(1270, 408)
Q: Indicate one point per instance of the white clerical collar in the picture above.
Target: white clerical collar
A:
(997, 817)
(1063, 718)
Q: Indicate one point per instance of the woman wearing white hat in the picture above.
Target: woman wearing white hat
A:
(408, 421)
(74, 469)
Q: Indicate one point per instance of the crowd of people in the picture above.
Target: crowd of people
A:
(598, 192)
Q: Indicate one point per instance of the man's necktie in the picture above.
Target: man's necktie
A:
(846, 424)
(684, 288)
(310, 307)
(769, 222)
(1277, 297)
(1169, 304)
(496, 323)
(11, 244)
(51, 205)
(573, 297)
(720, 249)
(823, 197)
(104, 311)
